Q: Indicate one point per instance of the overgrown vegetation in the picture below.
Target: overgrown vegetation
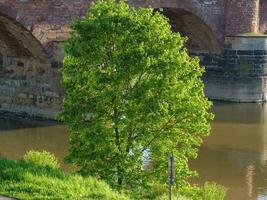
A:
(212, 191)
(132, 93)
(31, 179)
(44, 159)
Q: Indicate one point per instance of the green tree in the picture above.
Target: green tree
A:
(131, 91)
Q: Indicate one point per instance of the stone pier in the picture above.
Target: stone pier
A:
(241, 75)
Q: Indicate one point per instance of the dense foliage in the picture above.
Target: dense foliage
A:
(132, 94)
(27, 180)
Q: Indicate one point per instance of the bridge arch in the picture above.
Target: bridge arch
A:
(200, 36)
(192, 14)
(29, 81)
(17, 41)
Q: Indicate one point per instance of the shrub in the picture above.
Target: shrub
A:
(214, 191)
(42, 158)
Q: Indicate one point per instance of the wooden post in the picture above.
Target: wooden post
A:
(170, 192)
(171, 176)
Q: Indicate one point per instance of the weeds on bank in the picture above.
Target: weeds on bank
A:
(37, 176)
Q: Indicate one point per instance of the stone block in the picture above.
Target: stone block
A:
(245, 52)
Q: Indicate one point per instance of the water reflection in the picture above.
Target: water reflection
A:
(236, 152)
(234, 155)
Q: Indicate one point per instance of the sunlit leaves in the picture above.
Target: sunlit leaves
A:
(130, 73)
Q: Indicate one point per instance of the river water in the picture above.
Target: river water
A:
(234, 155)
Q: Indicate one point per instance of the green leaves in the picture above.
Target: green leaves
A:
(130, 73)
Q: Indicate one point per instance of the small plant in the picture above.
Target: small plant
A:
(44, 159)
(265, 32)
(212, 191)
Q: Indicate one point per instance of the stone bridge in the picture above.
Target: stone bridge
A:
(227, 35)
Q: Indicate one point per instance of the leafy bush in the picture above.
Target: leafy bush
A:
(27, 180)
(42, 158)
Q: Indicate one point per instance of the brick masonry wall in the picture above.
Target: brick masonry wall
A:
(263, 15)
(242, 16)
(211, 12)
(49, 20)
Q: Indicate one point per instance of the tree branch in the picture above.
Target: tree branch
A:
(164, 127)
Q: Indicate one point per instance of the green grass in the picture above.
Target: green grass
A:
(210, 191)
(42, 159)
(37, 176)
(26, 180)
(214, 191)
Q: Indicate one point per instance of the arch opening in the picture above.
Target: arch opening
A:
(17, 41)
(21, 54)
(200, 36)
(28, 82)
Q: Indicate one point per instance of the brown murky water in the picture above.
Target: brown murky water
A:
(235, 155)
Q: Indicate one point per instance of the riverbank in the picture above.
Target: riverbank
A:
(37, 175)
(27, 119)
(38, 178)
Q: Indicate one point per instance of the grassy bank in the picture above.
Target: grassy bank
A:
(38, 176)
(26, 180)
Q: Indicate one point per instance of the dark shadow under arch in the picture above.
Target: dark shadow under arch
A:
(200, 36)
(17, 41)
